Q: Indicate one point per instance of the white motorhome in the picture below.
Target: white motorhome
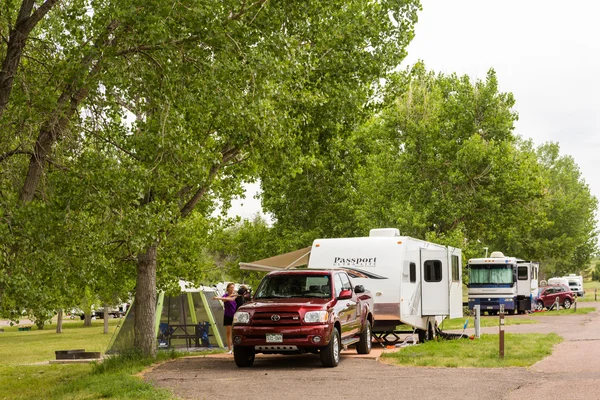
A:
(575, 283)
(502, 281)
(413, 282)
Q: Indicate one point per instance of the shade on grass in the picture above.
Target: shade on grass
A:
(521, 350)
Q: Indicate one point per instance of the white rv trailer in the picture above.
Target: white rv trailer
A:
(575, 284)
(501, 280)
(413, 282)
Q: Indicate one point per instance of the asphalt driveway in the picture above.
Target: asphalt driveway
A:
(571, 372)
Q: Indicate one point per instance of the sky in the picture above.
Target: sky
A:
(546, 52)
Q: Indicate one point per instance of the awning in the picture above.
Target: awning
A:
(292, 259)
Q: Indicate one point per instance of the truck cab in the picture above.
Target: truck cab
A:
(303, 311)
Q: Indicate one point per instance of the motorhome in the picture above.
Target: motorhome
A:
(575, 283)
(415, 284)
(501, 281)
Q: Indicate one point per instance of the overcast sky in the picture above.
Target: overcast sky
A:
(546, 52)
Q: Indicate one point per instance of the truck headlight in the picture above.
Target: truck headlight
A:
(241, 317)
(316, 316)
(508, 300)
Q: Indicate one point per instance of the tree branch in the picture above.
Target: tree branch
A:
(106, 140)
(13, 152)
(243, 10)
(18, 36)
(226, 156)
(191, 204)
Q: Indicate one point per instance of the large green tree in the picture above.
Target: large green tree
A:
(441, 161)
(145, 116)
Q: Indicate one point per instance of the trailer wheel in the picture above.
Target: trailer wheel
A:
(243, 356)
(430, 332)
(330, 354)
(364, 345)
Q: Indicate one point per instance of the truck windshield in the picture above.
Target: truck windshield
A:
(294, 285)
(490, 274)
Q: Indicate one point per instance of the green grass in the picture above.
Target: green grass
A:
(485, 321)
(112, 378)
(521, 350)
(35, 345)
(589, 287)
(562, 311)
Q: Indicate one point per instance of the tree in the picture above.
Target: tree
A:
(218, 91)
(441, 162)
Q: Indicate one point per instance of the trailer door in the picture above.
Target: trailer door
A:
(435, 296)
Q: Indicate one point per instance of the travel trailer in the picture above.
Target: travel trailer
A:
(502, 281)
(415, 284)
(575, 284)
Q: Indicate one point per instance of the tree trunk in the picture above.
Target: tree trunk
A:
(145, 302)
(87, 319)
(59, 321)
(106, 316)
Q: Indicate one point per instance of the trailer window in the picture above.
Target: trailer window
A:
(522, 273)
(455, 269)
(413, 272)
(432, 271)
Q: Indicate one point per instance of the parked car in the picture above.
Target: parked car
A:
(548, 294)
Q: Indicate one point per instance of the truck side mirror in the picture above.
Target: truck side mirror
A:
(359, 289)
(345, 294)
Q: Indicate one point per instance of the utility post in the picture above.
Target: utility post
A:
(501, 331)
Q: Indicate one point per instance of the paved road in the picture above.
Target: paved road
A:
(571, 372)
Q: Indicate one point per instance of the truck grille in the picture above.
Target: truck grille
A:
(271, 319)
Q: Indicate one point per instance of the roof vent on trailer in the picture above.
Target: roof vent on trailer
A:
(384, 232)
(497, 254)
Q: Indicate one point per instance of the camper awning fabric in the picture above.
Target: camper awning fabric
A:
(292, 259)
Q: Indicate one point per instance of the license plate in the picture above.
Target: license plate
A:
(489, 307)
(274, 338)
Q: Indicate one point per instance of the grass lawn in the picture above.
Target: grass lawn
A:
(485, 321)
(562, 311)
(19, 379)
(589, 287)
(521, 350)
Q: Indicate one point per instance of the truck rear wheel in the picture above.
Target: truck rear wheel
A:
(364, 345)
(243, 356)
(330, 354)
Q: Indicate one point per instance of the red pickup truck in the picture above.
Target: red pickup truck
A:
(303, 311)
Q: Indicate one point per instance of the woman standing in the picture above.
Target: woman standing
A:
(229, 308)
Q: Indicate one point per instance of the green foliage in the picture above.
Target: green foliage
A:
(153, 115)
(521, 350)
(440, 161)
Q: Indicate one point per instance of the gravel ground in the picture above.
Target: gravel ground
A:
(571, 372)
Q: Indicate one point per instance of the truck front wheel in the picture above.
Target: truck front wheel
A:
(330, 354)
(364, 345)
(243, 356)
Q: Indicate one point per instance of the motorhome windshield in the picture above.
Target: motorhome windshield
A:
(501, 274)
(294, 286)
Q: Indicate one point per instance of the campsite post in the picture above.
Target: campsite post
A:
(477, 312)
(501, 330)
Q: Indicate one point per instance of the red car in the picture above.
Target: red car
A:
(548, 294)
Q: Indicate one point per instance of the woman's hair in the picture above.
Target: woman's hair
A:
(230, 284)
